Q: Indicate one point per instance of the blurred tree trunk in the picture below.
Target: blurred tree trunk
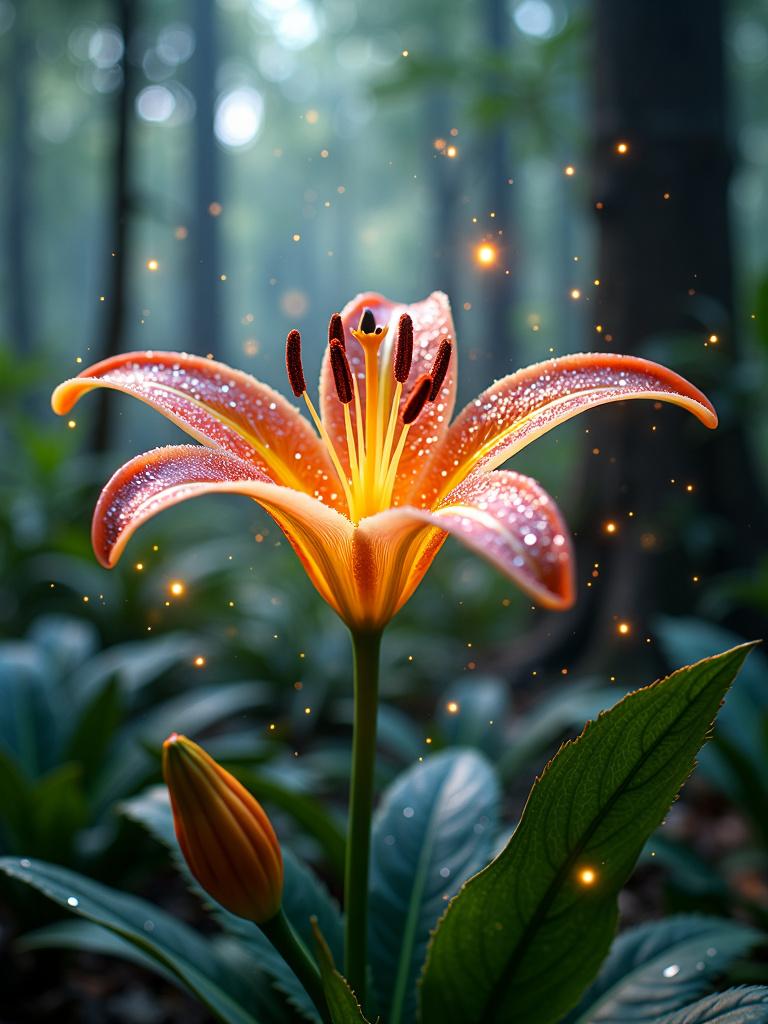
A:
(664, 263)
(204, 325)
(18, 186)
(115, 289)
(497, 287)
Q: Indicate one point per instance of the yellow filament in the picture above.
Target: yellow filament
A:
(354, 464)
(332, 452)
(386, 451)
(389, 482)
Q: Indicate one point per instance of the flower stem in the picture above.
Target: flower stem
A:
(281, 934)
(366, 648)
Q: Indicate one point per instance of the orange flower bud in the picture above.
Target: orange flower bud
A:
(225, 836)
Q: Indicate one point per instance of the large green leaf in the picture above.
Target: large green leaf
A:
(86, 936)
(187, 955)
(435, 827)
(524, 938)
(747, 1005)
(659, 967)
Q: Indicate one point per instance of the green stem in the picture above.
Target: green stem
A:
(281, 934)
(366, 648)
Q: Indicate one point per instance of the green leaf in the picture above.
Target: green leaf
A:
(95, 728)
(435, 827)
(28, 724)
(502, 949)
(659, 967)
(539, 730)
(188, 956)
(84, 935)
(748, 1005)
(58, 810)
(90, 938)
(342, 1002)
(192, 712)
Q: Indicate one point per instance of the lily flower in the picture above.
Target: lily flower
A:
(369, 487)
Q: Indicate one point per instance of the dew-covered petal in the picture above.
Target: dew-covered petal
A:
(432, 321)
(519, 408)
(220, 407)
(511, 521)
(152, 482)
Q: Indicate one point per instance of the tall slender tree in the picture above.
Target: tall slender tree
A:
(662, 164)
(204, 325)
(115, 289)
(18, 184)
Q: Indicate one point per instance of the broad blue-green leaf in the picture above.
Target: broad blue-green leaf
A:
(536, 732)
(187, 955)
(90, 938)
(472, 713)
(525, 937)
(29, 731)
(303, 897)
(66, 641)
(737, 763)
(94, 729)
(659, 967)
(342, 1002)
(192, 712)
(685, 869)
(136, 664)
(435, 827)
(748, 1005)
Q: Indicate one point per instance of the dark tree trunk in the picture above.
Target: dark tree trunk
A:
(117, 268)
(18, 188)
(664, 264)
(204, 328)
(497, 286)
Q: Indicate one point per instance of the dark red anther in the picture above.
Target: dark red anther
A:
(367, 322)
(336, 330)
(293, 363)
(440, 368)
(417, 399)
(342, 375)
(403, 348)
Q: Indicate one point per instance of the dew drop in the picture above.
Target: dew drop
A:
(408, 812)
(671, 971)
(73, 901)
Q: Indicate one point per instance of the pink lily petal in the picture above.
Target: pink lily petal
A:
(152, 482)
(507, 518)
(519, 408)
(223, 408)
(432, 321)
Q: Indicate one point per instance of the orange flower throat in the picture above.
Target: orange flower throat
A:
(376, 434)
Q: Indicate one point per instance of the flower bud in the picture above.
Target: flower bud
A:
(225, 836)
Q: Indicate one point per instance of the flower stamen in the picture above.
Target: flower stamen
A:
(293, 364)
(440, 368)
(298, 384)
